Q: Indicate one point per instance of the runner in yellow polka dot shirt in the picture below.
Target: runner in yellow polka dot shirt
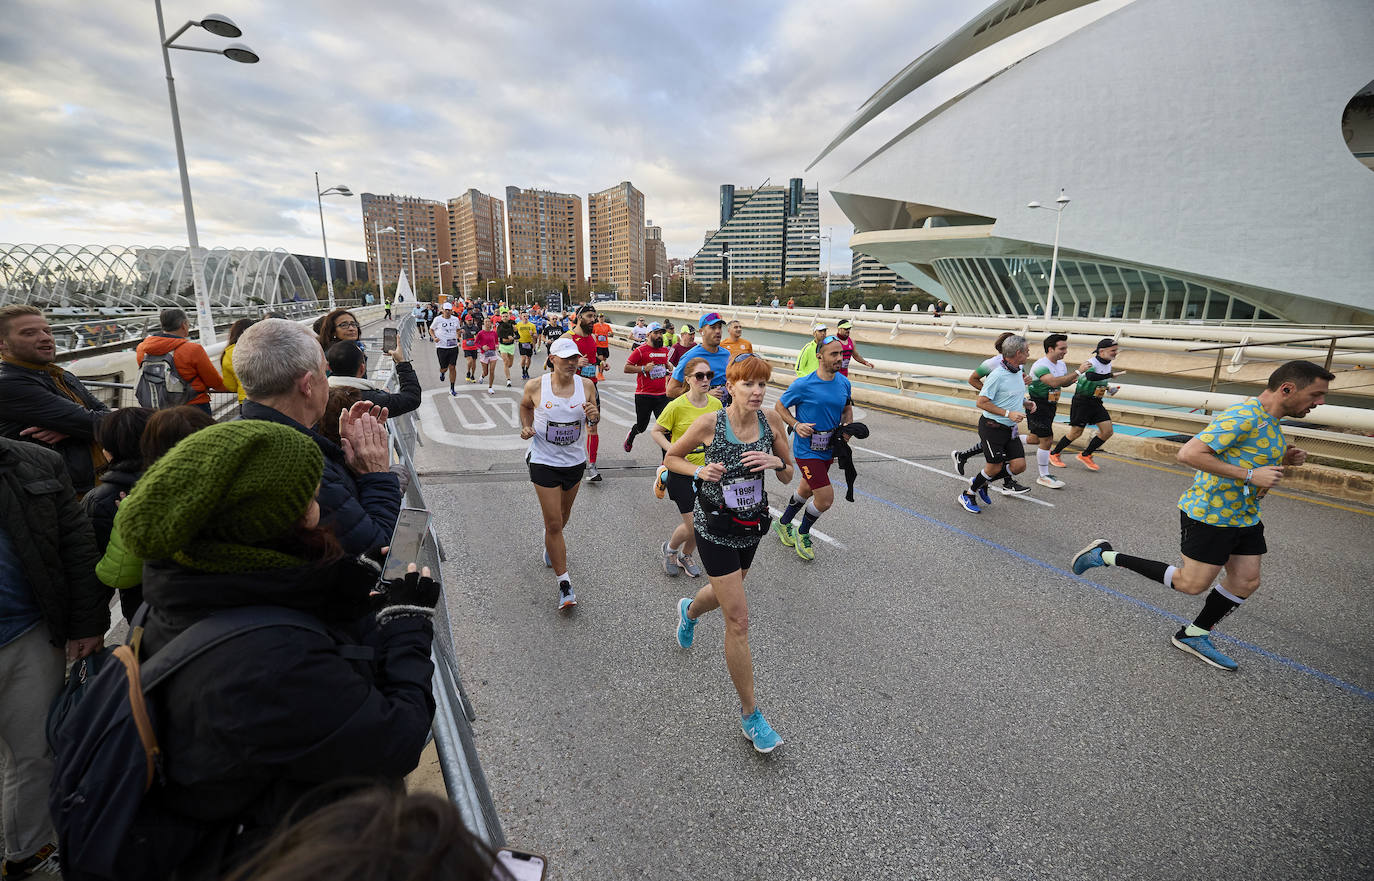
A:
(1247, 437)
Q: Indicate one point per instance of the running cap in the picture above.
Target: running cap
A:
(819, 325)
(564, 348)
(709, 319)
(1104, 343)
(844, 322)
(687, 329)
(447, 305)
(654, 325)
(586, 307)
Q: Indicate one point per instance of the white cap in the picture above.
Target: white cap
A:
(447, 305)
(819, 325)
(564, 348)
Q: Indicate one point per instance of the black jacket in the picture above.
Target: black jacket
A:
(30, 397)
(405, 399)
(101, 503)
(53, 538)
(360, 508)
(255, 723)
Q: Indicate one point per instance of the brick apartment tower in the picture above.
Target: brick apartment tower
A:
(655, 258)
(615, 232)
(419, 223)
(477, 231)
(545, 235)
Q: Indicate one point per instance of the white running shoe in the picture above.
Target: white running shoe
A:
(490, 390)
(1051, 482)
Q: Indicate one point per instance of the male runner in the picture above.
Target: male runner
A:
(711, 326)
(806, 358)
(505, 342)
(823, 404)
(685, 342)
(601, 328)
(591, 367)
(1239, 456)
(975, 379)
(444, 331)
(1086, 408)
(639, 334)
(650, 364)
(734, 340)
(421, 320)
(524, 333)
(1004, 405)
(1048, 375)
(471, 328)
(847, 351)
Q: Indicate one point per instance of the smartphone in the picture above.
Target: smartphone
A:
(389, 339)
(411, 528)
(522, 866)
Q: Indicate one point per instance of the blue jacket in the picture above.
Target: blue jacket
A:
(360, 508)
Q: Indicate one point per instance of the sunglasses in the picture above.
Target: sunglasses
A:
(828, 340)
(742, 355)
(708, 375)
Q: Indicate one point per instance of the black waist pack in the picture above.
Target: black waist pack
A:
(742, 524)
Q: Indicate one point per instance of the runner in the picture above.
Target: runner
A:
(1086, 408)
(486, 353)
(734, 340)
(471, 328)
(730, 515)
(806, 358)
(649, 363)
(638, 333)
(847, 351)
(584, 336)
(1048, 375)
(673, 423)
(444, 331)
(553, 329)
(711, 326)
(686, 341)
(975, 379)
(822, 401)
(1004, 405)
(524, 332)
(554, 411)
(421, 320)
(602, 329)
(1239, 457)
(505, 343)
(669, 334)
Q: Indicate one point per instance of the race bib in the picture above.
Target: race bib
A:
(742, 493)
(601, 338)
(844, 361)
(1053, 397)
(820, 440)
(563, 434)
(657, 371)
(589, 371)
(1100, 391)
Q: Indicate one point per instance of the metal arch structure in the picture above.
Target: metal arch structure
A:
(145, 278)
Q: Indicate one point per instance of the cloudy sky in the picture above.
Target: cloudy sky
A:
(430, 98)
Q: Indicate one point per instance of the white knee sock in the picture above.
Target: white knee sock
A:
(1042, 462)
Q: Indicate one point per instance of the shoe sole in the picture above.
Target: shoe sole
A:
(757, 748)
(567, 604)
(1059, 485)
(1017, 492)
(1059, 464)
(1100, 543)
(1180, 644)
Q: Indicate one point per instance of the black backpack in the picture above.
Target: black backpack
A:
(106, 754)
(160, 385)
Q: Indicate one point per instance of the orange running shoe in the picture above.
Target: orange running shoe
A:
(660, 490)
(1088, 462)
(1056, 461)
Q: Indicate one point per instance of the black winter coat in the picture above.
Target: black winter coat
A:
(30, 397)
(360, 508)
(101, 503)
(255, 723)
(405, 399)
(52, 536)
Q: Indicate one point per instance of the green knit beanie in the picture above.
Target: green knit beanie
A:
(219, 494)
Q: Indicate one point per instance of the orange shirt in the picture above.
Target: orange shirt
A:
(737, 347)
(602, 332)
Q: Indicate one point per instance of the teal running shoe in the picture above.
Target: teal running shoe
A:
(1091, 556)
(686, 627)
(759, 732)
(1201, 647)
(786, 533)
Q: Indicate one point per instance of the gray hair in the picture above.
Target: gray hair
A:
(171, 320)
(1010, 346)
(273, 354)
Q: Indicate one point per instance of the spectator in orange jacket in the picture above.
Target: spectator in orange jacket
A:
(190, 358)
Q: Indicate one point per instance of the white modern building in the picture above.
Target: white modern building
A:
(1216, 154)
(765, 232)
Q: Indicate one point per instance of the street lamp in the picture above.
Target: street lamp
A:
(440, 273)
(220, 26)
(487, 295)
(414, 283)
(465, 282)
(659, 276)
(1060, 204)
(509, 288)
(377, 239)
(529, 296)
(339, 190)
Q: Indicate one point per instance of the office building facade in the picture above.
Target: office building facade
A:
(767, 232)
(866, 274)
(477, 233)
(655, 257)
(615, 238)
(545, 235)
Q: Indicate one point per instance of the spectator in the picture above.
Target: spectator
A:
(119, 437)
(226, 358)
(341, 399)
(192, 364)
(229, 519)
(377, 834)
(338, 326)
(348, 369)
(42, 403)
(49, 597)
(283, 369)
(167, 428)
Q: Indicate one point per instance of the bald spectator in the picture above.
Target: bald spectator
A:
(44, 404)
(192, 363)
(280, 365)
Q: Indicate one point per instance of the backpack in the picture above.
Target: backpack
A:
(106, 754)
(160, 385)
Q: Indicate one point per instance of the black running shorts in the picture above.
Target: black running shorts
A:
(602, 352)
(447, 358)
(1001, 443)
(1215, 545)
(1084, 410)
(682, 490)
(526, 348)
(564, 478)
(1041, 422)
(718, 560)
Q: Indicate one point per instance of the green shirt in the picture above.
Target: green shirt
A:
(1243, 435)
(1041, 368)
(1093, 384)
(807, 362)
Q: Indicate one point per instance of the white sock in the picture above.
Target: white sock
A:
(812, 509)
(1226, 593)
(1169, 577)
(674, 549)
(564, 577)
(1042, 461)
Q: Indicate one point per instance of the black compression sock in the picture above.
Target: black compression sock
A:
(1059, 447)
(793, 506)
(1151, 569)
(980, 480)
(807, 520)
(1217, 607)
(1093, 446)
(971, 451)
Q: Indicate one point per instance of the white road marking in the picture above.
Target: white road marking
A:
(1026, 498)
(816, 532)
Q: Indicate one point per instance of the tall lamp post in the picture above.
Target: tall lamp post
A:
(487, 294)
(339, 190)
(1059, 205)
(465, 282)
(414, 282)
(659, 276)
(829, 239)
(377, 239)
(439, 273)
(220, 26)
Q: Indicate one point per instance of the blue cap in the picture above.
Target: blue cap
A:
(654, 325)
(709, 319)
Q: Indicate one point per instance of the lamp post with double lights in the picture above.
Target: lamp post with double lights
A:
(377, 234)
(339, 190)
(220, 26)
(1059, 205)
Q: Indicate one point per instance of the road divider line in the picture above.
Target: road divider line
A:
(941, 472)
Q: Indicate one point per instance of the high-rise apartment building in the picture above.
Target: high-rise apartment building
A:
(477, 231)
(615, 233)
(655, 256)
(768, 232)
(546, 235)
(682, 266)
(418, 223)
(867, 273)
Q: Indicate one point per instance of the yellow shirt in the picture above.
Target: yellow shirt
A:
(679, 415)
(525, 331)
(226, 369)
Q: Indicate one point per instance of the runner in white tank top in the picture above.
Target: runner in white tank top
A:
(556, 410)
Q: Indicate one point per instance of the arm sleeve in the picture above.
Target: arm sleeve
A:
(982, 370)
(406, 398)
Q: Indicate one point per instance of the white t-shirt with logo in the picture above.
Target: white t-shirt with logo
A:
(445, 329)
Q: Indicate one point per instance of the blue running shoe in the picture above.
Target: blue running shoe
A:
(1201, 647)
(759, 732)
(1091, 556)
(969, 503)
(686, 627)
(984, 495)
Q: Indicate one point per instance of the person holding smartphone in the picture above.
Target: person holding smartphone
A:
(742, 443)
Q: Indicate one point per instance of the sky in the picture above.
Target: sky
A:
(424, 98)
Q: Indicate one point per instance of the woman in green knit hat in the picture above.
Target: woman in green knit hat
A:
(228, 519)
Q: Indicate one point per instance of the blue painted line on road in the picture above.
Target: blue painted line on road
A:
(1135, 601)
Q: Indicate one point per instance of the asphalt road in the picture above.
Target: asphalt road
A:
(955, 703)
